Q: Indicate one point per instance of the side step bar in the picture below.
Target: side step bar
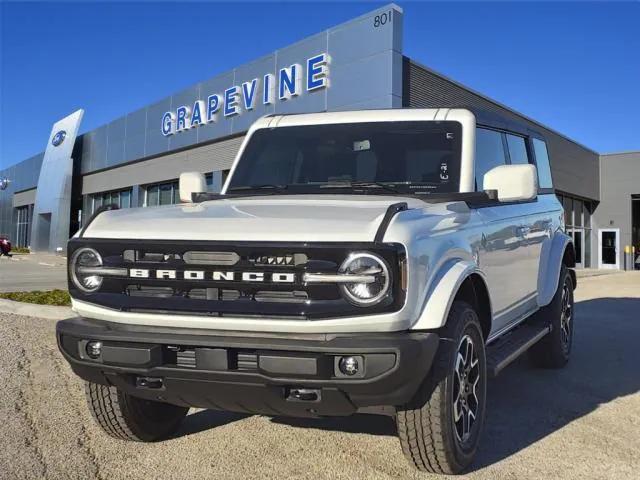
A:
(509, 348)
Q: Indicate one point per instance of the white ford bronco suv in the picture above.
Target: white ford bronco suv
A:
(382, 261)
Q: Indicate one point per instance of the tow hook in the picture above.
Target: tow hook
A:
(304, 395)
(149, 382)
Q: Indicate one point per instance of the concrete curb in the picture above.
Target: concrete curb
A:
(34, 310)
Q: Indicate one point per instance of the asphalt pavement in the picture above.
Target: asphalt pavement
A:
(582, 422)
(32, 272)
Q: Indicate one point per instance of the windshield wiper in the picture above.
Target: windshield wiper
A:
(268, 189)
(347, 184)
(384, 186)
(266, 186)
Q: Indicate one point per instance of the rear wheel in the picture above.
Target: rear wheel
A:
(440, 428)
(554, 350)
(130, 418)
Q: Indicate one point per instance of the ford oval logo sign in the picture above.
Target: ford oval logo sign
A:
(58, 138)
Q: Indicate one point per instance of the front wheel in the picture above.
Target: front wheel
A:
(440, 428)
(130, 418)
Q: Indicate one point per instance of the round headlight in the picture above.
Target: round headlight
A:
(83, 265)
(375, 288)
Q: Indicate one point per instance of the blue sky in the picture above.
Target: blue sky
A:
(572, 66)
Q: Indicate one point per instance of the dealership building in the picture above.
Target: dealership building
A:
(135, 160)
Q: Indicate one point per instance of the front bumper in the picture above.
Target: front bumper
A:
(254, 373)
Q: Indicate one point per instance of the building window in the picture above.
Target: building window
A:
(168, 193)
(162, 194)
(215, 180)
(577, 214)
(567, 203)
(23, 226)
(120, 198)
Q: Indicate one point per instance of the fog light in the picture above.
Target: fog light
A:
(94, 349)
(348, 365)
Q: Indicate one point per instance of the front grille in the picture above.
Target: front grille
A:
(213, 294)
(216, 294)
(246, 361)
(186, 358)
(285, 259)
(227, 359)
(211, 258)
(284, 297)
(244, 279)
(149, 291)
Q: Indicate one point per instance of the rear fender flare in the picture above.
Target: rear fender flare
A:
(549, 273)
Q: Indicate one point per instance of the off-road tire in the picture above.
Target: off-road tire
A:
(554, 350)
(130, 418)
(426, 426)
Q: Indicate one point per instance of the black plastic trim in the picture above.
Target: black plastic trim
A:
(103, 208)
(395, 365)
(494, 202)
(199, 197)
(388, 216)
(498, 203)
(470, 198)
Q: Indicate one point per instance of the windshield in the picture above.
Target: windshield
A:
(403, 157)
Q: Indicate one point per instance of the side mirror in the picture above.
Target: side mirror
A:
(513, 183)
(190, 183)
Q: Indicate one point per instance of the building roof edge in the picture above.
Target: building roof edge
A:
(498, 104)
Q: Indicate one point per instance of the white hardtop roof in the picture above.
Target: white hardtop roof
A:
(362, 116)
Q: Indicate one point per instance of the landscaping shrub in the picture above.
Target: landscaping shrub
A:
(52, 297)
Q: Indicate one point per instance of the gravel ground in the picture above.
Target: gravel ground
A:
(581, 422)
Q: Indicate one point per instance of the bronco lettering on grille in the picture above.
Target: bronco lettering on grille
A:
(218, 276)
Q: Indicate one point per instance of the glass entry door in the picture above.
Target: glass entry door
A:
(608, 248)
(23, 226)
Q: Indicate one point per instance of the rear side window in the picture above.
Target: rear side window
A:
(517, 150)
(542, 163)
(489, 153)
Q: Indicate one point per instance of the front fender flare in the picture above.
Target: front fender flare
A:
(442, 291)
(551, 263)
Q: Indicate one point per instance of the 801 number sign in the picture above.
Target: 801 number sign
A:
(382, 19)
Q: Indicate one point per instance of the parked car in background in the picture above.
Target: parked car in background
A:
(5, 246)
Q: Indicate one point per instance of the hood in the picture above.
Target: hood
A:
(312, 218)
